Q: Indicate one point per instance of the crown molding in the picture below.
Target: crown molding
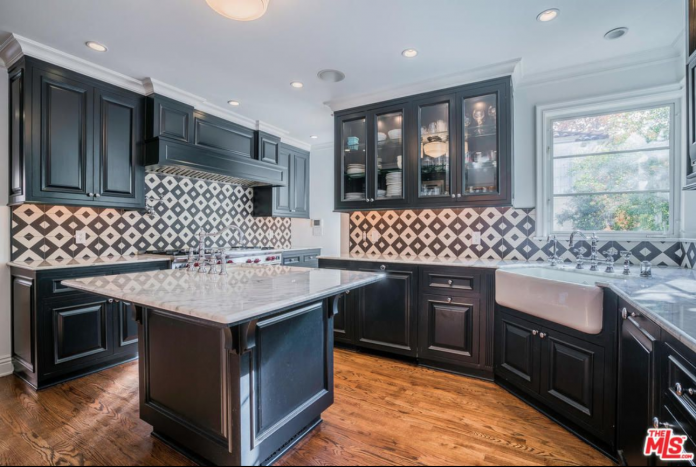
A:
(510, 68)
(323, 146)
(10, 51)
(661, 56)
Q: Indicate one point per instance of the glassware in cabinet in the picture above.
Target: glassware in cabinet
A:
(435, 149)
(354, 159)
(481, 174)
(389, 156)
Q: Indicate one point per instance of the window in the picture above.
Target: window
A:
(611, 169)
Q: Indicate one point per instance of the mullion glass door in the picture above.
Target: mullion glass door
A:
(390, 155)
(354, 160)
(435, 149)
(481, 130)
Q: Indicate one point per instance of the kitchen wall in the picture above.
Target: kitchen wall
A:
(184, 206)
(506, 233)
(321, 205)
(5, 321)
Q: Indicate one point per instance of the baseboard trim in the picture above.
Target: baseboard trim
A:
(6, 367)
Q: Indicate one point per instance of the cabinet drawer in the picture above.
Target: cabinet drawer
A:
(672, 417)
(680, 384)
(52, 287)
(450, 281)
(639, 320)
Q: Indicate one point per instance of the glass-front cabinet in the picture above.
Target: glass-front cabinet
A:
(436, 149)
(441, 149)
(484, 171)
(373, 159)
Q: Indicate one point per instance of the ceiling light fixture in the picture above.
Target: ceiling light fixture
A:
(409, 53)
(331, 76)
(297, 85)
(233, 103)
(548, 15)
(314, 137)
(96, 46)
(617, 33)
(240, 10)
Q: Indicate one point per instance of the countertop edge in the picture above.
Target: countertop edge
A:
(250, 315)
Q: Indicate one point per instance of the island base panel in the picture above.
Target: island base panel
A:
(236, 396)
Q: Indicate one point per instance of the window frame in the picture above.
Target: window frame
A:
(641, 100)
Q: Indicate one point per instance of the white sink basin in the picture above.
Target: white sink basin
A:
(560, 296)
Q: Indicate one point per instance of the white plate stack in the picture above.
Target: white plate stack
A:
(395, 184)
(355, 196)
(356, 169)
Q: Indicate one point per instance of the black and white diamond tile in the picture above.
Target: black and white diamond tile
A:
(506, 233)
(689, 249)
(184, 207)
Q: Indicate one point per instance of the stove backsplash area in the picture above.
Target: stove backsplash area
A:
(183, 206)
(506, 233)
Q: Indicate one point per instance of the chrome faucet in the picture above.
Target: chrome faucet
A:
(594, 241)
(202, 235)
(554, 260)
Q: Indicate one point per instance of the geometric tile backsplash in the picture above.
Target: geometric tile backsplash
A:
(506, 233)
(184, 206)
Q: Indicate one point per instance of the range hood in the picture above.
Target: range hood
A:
(189, 143)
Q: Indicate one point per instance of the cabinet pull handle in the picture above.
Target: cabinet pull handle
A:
(679, 389)
(657, 424)
(542, 335)
(625, 314)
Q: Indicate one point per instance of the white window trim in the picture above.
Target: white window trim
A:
(545, 114)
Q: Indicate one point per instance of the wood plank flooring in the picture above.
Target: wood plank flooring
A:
(386, 413)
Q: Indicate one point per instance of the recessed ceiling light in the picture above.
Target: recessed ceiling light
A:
(233, 103)
(331, 76)
(96, 46)
(314, 137)
(297, 85)
(409, 53)
(240, 10)
(548, 15)
(617, 33)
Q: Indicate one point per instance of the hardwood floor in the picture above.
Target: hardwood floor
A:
(386, 413)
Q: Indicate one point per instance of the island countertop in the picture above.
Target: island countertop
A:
(246, 293)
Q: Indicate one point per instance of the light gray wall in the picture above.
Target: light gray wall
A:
(321, 205)
(5, 321)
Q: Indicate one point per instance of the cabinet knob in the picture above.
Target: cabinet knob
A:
(383, 267)
(624, 314)
(449, 300)
(454, 196)
(97, 195)
(657, 424)
(535, 333)
(679, 389)
(450, 282)
(91, 195)
(111, 300)
(459, 195)
(542, 335)
(372, 200)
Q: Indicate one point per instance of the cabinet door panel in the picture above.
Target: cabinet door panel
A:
(386, 315)
(282, 195)
(572, 377)
(638, 394)
(300, 185)
(449, 329)
(80, 330)
(65, 139)
(118, 170)
(16, 134)
(518, 352)
(127, 327)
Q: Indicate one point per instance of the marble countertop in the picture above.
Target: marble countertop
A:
(48, 265)
(248, 292)
(668, 298)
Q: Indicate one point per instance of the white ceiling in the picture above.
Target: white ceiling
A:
(186, 44)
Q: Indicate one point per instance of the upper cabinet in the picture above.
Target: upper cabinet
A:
(691, 95)
(442, 149)
(291, 200)
(73, 140)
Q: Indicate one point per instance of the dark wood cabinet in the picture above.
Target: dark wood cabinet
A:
(567, 374)
(450, 148)
(691, 122)
(302, 258)
(59, 333)
(387, 317)
(73, 140)
(291, 200)
(638, 399)
(441, 316)
(267, 148)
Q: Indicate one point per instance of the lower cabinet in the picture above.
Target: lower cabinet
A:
(440, 316)
(638, 401)
(60, 333)
(564, 372)
(302, 258)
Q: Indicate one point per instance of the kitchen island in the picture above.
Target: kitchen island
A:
(236, 369)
